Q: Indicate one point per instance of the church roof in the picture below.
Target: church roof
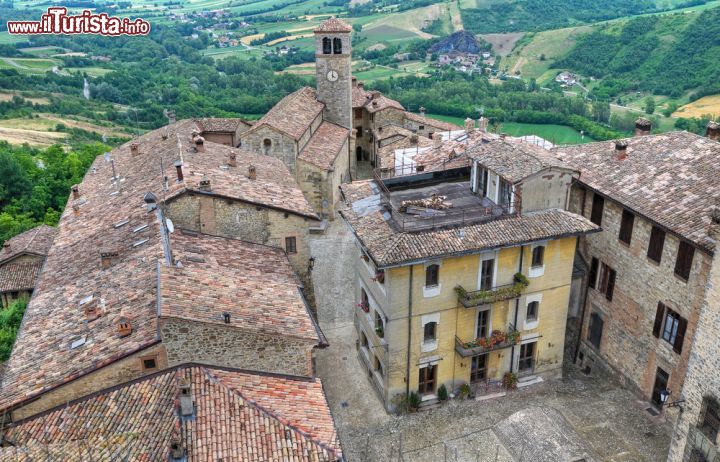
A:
(293, 114)
(325, 145)
(333, 25)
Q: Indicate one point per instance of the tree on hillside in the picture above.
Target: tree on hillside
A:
(649, 105)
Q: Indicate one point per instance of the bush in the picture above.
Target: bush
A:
(510, 380)
(442, 393)
(10, 320)
(464, 391)
(407, 403)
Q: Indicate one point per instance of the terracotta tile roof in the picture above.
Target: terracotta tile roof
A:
(254, 283)
(325, 145)
(430, 122)
(333, 25)
(293, 114)
(389, 247)
(110, 216)
(15, 276)
(36, 241)
(220, 124)
(513, 160)
(373, 101)
(238, 416)
(670, 178)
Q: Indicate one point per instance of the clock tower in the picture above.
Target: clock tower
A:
(333, 71)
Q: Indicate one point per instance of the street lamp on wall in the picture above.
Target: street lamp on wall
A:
(665, 396)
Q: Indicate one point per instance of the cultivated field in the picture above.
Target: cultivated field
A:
(503, 44)
(709, 105)
(40, 131)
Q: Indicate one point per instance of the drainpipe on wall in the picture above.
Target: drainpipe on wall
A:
(517, 308)
(407, 366)
(584, 289)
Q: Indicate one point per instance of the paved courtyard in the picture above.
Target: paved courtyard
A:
(579, 416)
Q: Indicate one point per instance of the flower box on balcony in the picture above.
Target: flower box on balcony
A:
(364, 306)
(496, 341)
(496, 294)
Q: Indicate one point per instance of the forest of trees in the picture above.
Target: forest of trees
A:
(667, 56)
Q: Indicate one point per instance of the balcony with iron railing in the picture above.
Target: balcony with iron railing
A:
(438, 199)
(470, 299)
(497, 340)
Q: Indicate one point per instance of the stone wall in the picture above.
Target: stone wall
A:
(113, 374)
(545, 190)
(219, 345)
(336, 95)
(228, 139)
(281, 146)
(628, 347)
(702, 380)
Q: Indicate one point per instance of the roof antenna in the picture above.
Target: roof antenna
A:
(112, 164)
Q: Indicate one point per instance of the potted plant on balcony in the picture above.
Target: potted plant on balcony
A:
(510, 380)
(380, 276)
(364, 306)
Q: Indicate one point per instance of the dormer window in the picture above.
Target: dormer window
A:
(327, 46)
(337, 46)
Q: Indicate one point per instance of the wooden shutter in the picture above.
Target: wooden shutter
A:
(610, 285)
(596, 214)
(658, 319)
(680, 336)
(626, 227)
(683, 264)
(655, 248)
(593, 272)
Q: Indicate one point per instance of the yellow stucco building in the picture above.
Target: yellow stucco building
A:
(464, 274)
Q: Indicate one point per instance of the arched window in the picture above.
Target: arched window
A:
(267, 145)
(337, 46)
(327, 46)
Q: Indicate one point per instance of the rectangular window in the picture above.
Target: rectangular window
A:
(426, 382)
(598, 204)
(483, 320)
(710, 422)
(595, 330)
(432, 275)
(527, 357)
(670, 326)
(538, 256)
(379, 323)
(606, 281)
(505, 193)
(429, 331)
(478, 369)
(592, 277)
(483, 181)
(487, 272)
(358, 113)
(358, 132)
(149, 364)
(672, 321)
(626, 227)
(655, 247)
(290, 244)
(532, 311)
(683, 264)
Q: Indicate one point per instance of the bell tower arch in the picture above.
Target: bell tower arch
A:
(333, 71)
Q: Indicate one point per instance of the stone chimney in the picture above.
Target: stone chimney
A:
(469, 125)
(123, 326)
(413, 139)
(75, 191)
(422, 111)
(205, 184)
(199, 143)
(6, 245)
(361, 85)
(354, 82)
(642, 127)
(483, 124)
(134, 149)
(621, 149)
(437, 139)
(232, 159)
(177, 452)
(106, 259)
(252, 172)
(178, 170)
(186, 400)
(712, 130)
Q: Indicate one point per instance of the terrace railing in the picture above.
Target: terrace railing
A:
(497, 340)
(492, 295)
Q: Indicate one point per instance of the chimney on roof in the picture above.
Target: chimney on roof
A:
(354, 82)
(712, 130)
(437, 139)
(177, 452)
(483, 124)
(76, 209)
(361, 85)
(123, 326)
(199, 143)
(186, 400)
(642, 127)
(422, 111)
(134, 149)
(106, 259)
(178, 170)
(469, 125)
(375, 94)
(205, 184)
(252, 172)
(75, 191)
(621, 149)
(6, 245)
(164, 134)
(232, 159)
(413, 139)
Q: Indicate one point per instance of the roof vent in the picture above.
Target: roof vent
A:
(199, 143)
(252, 172)
(75, 191)
(150, 200)
(165, 134)
(621, 149)
(134, 149)
(76, 209)
(178, 170)
(106, 259)
(123, 327)
(186, 400)
(712, 130)
(6, 245)
(92, 310)
(642, 127)
(232, 159)
(78, 342)
(205, 184)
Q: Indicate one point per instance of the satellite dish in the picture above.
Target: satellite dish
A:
(170, 225)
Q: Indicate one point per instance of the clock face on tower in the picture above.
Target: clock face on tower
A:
(332, 76)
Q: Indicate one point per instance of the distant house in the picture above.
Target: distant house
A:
(444, 59)
(401, 56)
(21, 259)
(566, 78)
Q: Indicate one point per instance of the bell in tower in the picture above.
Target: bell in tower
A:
(333, 70)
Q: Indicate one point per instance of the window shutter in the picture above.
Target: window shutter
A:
(680, 337)
(610, 285)
(658, 319)
(593, 272)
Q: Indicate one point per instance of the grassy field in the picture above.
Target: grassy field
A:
(557, 134)
(709, 105)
